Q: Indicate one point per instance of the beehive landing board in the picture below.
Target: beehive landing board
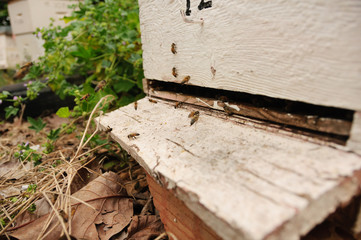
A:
(306, 51)
(243, 182)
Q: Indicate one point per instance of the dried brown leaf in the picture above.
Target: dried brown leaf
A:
(9, 191)
(145, 227)
(10, 169)
(42, 208)
(111, 214)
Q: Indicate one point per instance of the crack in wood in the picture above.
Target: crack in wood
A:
(264, 196)
(301, 195)
(179, 145)
(131, 117)
(290, 170)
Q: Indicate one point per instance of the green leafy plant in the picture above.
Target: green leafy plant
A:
(17, 103)
(26, 153)
(102, 44)
(32, 208)
(63, 112)
(31, 188)
(2, 222)
(11, 111)
(54, 134)
(36, 125)
(4, 95)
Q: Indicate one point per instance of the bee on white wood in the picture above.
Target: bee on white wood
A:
(174, 72)
(185, 80)
(133, 136)
(194, 115)
(174, 48)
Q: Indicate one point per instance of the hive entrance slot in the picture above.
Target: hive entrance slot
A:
(327, 123)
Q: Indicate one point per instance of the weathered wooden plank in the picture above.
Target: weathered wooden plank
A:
(306, 51)
(243, 182)
(354, 142)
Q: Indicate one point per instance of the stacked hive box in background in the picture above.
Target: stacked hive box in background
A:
(28, 15)
(9, 55)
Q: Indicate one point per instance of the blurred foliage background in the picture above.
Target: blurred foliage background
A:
(100, 48)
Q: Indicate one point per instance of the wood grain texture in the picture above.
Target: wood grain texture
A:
(243, 182)
(306, 51)
(354, 142)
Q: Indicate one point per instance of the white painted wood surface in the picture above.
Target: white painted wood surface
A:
(299, 50)
(354, 142)
(244, 182)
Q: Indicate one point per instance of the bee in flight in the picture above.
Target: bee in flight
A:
(185, 80)
(152, 101)
(174, 72)
(195, 116)
(85, 97)
(133, 136)
(100, 85)
(23, 71)
(174, 48)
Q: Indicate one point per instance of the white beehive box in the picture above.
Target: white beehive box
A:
(305, 51)
(27, 15)
(247, 179)
(9, 55)
(29, 46)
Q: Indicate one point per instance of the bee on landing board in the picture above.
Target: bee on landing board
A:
(108, 130)
(229, 110)
(185, 80)
(100, 85)
(177, 104)
(133, 136)
(174, 48)
(23, 71)
(195, 116)
(152, 101)
(135, 105)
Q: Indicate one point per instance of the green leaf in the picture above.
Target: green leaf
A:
(106, 63)
(54, 134)
(123, 86)
(11, 111)
(36, 125)
(63, 112)
(4, 94)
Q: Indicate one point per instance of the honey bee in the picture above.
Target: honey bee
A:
(133, 136)
(193, 113)
(100, 85)
(177, 104)
(108, 130)
(222, 98)
(152, 101)
(195, 116)
(23, 71)
(174, 48)
(63, 215)
(174, 72)
(85, 97)
(228, 110)
(135, 105)
(185, 80)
